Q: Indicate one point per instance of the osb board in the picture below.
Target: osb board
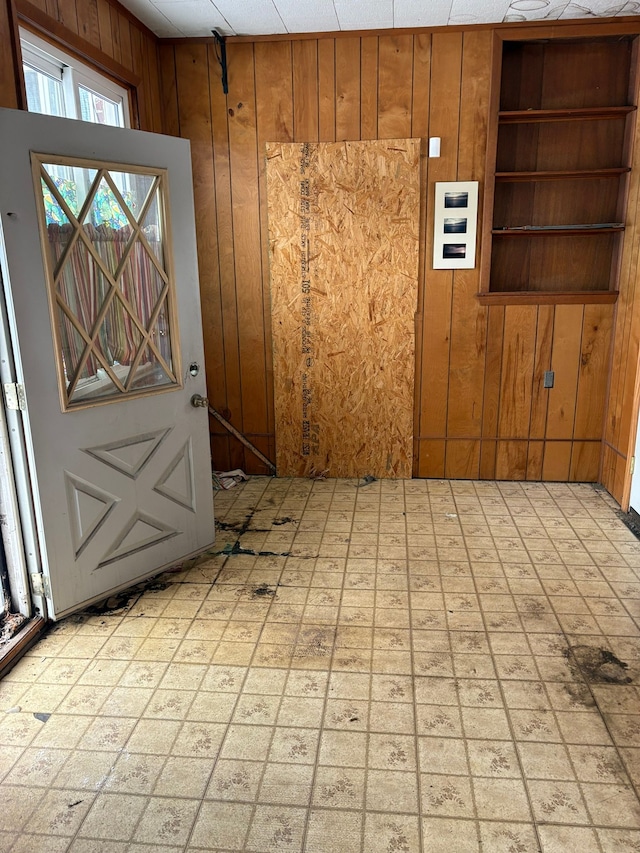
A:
(343, 239)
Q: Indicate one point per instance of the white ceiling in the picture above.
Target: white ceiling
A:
(177, 18)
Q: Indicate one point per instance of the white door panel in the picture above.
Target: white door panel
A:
(122, 488)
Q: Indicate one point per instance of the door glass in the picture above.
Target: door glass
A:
(110, 279)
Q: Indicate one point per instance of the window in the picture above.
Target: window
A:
(59, 85)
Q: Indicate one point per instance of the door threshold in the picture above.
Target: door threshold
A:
(20, 643)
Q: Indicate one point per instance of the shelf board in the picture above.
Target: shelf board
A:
(541, 297)
(561, 175)
(579, 114)
(560, 231)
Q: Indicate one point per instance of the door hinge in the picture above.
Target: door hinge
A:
(40, 585)
(14, 396)
(632, 467)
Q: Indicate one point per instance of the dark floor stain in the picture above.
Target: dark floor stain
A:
(631, 519)
(263, 591)
(597, 666)
(286, 520)
(236, 549)
(122, 600)
(366, 481)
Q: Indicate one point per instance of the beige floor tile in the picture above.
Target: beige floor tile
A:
(60, 812)
(508, 837)
(221, 825)
(391, 832)
(167, 821)
(330, 828)
(560, 839)
(442, 835)
(235, 780)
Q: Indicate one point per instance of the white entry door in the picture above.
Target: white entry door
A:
(99, 263)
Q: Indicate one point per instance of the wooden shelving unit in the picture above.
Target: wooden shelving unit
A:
(561, 168)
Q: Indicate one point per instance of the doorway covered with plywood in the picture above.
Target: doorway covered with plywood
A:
(344, 237)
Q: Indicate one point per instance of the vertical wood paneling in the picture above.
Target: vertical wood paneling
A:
(481, 409)
(395, 86)
(593, 371)
(283, 121)
(305, 91)
(347, 88)
(67, 14)
(585, 461)
(491, 402)
(104, 27)
(511, 460)
(169, 86)
(369, 87)
(542, 363)
(88, 24)
(431, 460)
(446, 64)
(517, 370)
(225, 389)
(115, 34)
(247, 242)
(8, 87)
(535, 456)
(565, 361)
(326, 90)
(557, 460)
(194, 118)
(468, 319)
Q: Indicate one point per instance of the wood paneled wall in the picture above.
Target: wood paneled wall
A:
(481, 409)
(99, 32)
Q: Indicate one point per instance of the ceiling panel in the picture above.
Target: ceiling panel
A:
(417, 13)
(364, 14)
(251, 17)
(318, 16)
(266, 17)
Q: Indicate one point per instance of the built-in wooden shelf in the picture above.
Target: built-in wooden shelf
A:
(561, 175)
(541, 297)
(573, 114)
(557, 230)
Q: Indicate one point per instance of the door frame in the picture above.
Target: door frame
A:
(22, 547)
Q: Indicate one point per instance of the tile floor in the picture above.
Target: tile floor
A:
(374, 669)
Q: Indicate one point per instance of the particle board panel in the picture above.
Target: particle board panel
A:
(343, 229)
